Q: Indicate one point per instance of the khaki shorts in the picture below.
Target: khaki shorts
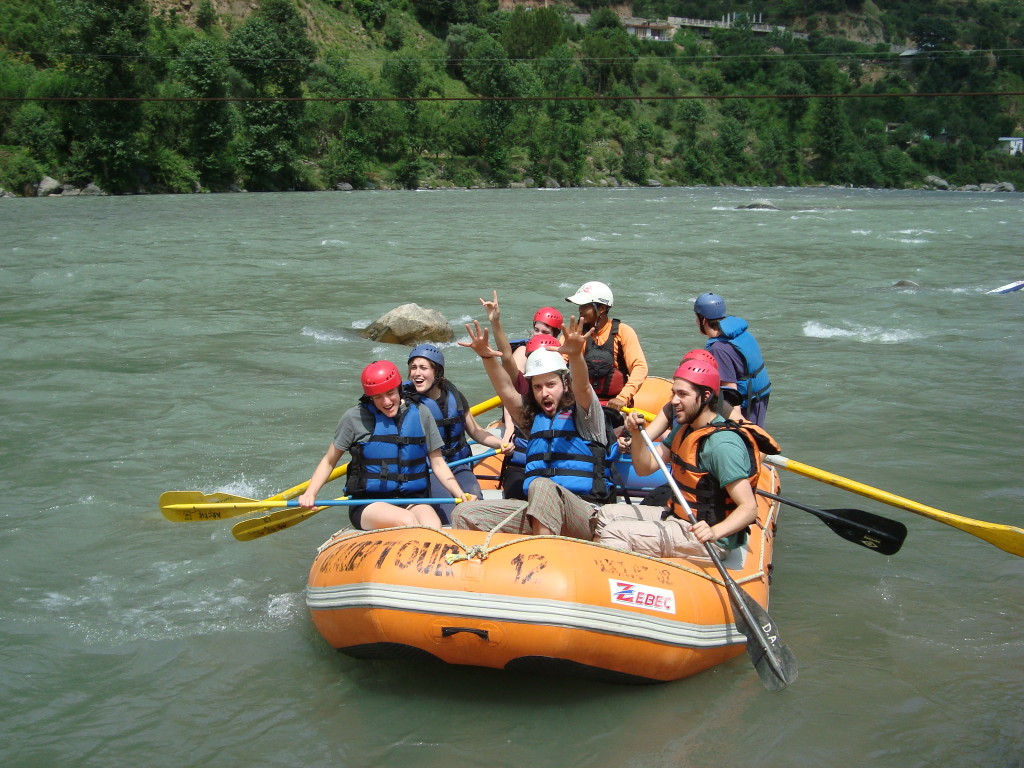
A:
(639, 528)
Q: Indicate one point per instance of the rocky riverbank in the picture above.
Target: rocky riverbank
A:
(50, 187)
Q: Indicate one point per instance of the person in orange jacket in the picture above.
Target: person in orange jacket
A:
(615, 360)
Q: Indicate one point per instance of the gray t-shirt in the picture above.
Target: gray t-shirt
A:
(590, 423)
(356, 426)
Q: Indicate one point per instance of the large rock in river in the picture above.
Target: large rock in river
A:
(410, 324)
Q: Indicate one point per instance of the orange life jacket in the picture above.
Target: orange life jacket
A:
(703, 492)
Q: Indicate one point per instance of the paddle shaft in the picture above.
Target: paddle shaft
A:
(255, 528)
(757, 630)
(221, 505)
(1007, 537)
(342, 502)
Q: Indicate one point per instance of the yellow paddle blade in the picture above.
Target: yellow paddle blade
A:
(181, 506)
(1009, 538)
(264, 525)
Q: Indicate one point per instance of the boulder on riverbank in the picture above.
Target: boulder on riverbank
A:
(410, 324)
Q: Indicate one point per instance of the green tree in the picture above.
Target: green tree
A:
(272, 52)
(533, 33)
(608, 53)
(831, 140)
(106, 40)
(206, 15)
(202, 71)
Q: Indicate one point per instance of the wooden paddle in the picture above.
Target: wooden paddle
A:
(775, 663)
(1007, 537)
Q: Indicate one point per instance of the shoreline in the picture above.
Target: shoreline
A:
(92, 190)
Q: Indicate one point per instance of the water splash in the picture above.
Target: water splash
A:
(856, 332)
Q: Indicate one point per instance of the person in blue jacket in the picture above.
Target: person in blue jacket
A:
(428, 387)
(738, 355)
(568, 446)
(394, 444)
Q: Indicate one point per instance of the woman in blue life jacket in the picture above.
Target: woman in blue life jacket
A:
(393, 442)
(428, 387)
(568, 442)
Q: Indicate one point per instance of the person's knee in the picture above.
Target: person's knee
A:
(612, 534)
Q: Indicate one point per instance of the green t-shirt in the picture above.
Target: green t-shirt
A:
(724, 455)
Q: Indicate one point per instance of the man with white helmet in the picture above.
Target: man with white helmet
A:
(615, 361)
(567, 448)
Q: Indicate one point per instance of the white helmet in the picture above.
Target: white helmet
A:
(592, 293)
(544, 360)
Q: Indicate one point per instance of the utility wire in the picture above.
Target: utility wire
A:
(633, 97)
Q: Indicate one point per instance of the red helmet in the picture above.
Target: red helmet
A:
(699, 372)
(700, 354)
(541, 340)
(380, 377)
(549, 316)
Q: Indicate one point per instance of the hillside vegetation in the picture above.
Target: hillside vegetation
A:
(183, 96)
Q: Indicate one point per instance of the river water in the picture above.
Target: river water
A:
(211, 342)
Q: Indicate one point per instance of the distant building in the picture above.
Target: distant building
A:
(664, 30)
(647, 29)
(1012, 145)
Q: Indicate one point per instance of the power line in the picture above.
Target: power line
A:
(694, 59)
(632, 97)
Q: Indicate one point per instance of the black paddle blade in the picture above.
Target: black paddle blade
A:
(881, 534)
(775, 663)
(873, 531)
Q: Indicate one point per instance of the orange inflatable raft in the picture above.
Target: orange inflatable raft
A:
(537, 603)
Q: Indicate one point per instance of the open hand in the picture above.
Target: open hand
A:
(574, 340)
(478, 341)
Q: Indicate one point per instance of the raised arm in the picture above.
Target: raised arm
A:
(574, 342)
(500, 339)
(504, 387)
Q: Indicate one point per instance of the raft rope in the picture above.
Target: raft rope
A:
(483, 551)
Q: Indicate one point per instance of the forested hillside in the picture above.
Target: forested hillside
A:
(190, 95)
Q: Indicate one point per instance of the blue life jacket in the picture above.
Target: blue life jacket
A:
(450, 418)
(755, 385)
(393, 460)
(518, 456)
(557, 451)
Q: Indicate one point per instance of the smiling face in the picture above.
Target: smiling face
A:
(547, 389)
(687, 400)
(422, 375)
(539, 328)
(388, 402)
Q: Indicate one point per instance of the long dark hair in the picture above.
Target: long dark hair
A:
(531, 408)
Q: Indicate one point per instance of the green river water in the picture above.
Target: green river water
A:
(211, 342)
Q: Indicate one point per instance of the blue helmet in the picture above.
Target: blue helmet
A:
(428, 352)
(710, 306)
